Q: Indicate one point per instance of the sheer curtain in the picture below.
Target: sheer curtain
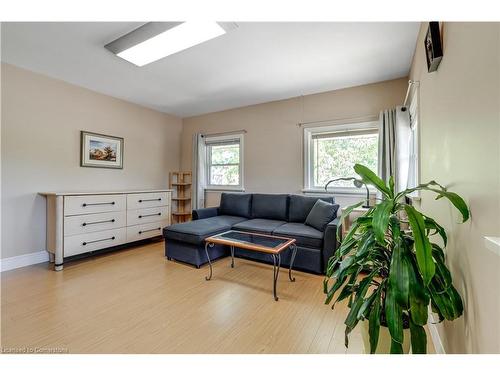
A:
(199, 173)
(394, 137)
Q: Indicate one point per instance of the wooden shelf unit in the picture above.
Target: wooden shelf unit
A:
(180, 183)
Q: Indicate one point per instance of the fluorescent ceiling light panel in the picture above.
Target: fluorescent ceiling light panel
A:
(175, 39)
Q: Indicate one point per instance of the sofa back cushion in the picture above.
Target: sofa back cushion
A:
(300, 206)
(321, 214)
(233, 204)
(270, 206)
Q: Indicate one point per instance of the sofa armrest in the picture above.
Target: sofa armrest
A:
(330, 242)
(203, 213)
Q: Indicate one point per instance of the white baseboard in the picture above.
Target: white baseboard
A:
(11, 263)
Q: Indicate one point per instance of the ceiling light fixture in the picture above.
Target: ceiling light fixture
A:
(156, 40)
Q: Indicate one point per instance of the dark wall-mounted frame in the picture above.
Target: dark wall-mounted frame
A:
(433, 47)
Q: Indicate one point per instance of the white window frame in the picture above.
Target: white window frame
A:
(309, 157)
(214, 140)
(413, 109)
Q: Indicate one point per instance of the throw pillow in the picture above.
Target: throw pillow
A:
(321, 214)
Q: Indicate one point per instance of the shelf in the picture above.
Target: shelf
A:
(181, 184)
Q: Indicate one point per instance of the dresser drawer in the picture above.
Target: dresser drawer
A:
(81, 224)
(91, 204)
(140, 232)
(145, 200)
(84, 243)
(147, 215)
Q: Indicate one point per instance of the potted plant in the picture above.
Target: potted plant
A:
(390, 275)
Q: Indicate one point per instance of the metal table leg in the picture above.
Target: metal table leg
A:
(276, 272)
(293, 247)
(208, 244)
(232, 256)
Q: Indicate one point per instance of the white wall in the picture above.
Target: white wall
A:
(460, 148)
(273, 160)
(40, 149)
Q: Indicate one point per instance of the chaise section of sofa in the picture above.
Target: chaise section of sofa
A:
(278, 214)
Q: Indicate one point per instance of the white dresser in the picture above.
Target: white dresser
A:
(79, 223)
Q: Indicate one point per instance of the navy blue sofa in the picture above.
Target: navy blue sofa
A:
(279, 214)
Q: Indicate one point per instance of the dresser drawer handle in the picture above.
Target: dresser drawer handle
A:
(99, 222)
(141, 216)
(104, 239)
(97, 204)
(150, 230)
(149, 200)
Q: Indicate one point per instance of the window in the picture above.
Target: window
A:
(224, 162)
(413, 175)
(331, 152)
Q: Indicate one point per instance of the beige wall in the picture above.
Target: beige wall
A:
(41, 122)
(460, 148)
(273, 143)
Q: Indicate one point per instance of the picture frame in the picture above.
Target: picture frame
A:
(100, 150)
(433, 47)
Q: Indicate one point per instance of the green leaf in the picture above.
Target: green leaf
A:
(393, 315)
(381, 216)
(344, 293)
(448, 303)
(367, 243)
(336, 286)
(442, 277)
(456, 200)
(437, 253)
(364, 310)
(431, 224)
(418, 339)
(391, 184)
(345, 212)
(396, 347)
(374, 323)
(399, 275)
(352, 317)
(350, 235)
(345, 264)
(457, 302)
(422, 245)
(419, 187)
(419, 297)
(371, 178)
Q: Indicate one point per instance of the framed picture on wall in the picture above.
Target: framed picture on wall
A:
(433, 48)
(100, 151)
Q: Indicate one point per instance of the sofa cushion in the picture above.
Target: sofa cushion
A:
(234, 204)
(300, 206)
(304, 234)
(196, 231)
(321, 214)
(259, 225)
(270, 206)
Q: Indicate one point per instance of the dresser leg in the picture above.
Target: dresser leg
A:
(59, 226)
(51, 257)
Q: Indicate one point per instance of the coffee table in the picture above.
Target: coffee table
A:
(263, 243)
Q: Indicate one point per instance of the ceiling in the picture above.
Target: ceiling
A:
(255, 63)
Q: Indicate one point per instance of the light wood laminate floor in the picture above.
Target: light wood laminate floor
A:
(135, 301)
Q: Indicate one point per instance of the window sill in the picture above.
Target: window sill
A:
(338, 191)
(222, 189)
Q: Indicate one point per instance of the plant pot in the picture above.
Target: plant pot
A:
(384, 339)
